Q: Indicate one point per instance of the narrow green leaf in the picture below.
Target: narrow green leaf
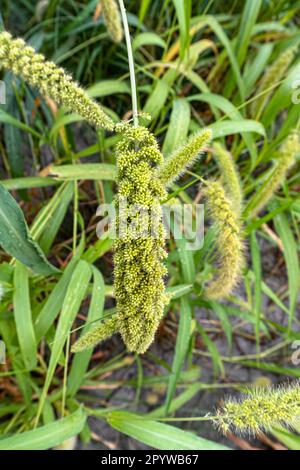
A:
(15, 238)
(292, 441)
(291, 260)
(81, 360)
(54, 302)
(47, 436)
(23, 316)
(8, 119)
(223, 128)
(159, 435)
(257, 301)
(181, 348)
(147, 39)
(108, 87)
(249, 17)
(178, 127)
(29, 182)
(74, 296)
(86, 171)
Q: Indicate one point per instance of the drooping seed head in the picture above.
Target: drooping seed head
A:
(112, 19)
(229, 242)
(52, 81)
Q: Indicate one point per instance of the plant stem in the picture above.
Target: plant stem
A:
(131, 64)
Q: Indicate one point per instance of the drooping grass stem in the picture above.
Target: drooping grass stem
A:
(131, 63)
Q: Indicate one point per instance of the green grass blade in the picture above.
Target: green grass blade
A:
(159, 435)
(15, 237)
(223, 128)
(178, 127)
(47, 436)
(54, 302)
(74, 296)
(81, 360)
(249, 17)
(181, 348)
(257, 270)
(23, 316)
(87, 171)
(291, 260)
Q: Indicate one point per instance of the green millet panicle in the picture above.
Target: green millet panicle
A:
(230, 176)
(112, 19)
(286, 160)
(52, 81)
(96, 334)
(261, 410)
(229, 242)
(175, 165)
(139, 261)
(274, 74)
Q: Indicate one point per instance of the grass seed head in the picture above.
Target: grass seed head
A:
(112, 19)
(260, 410)
(229, 242)
(52, 81)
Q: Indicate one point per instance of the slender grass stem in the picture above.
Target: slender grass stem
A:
(131, 63)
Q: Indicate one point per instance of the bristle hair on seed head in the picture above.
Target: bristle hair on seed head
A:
(229, 242)
(51, 80)
(286, 159)
(95, 335)
(178, 162)
(260, 410)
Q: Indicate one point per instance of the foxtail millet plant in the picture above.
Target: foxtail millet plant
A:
(139, 261)
(139, 268)
(273, 75)
(96, 334)
(176, 164)
(112, 19)
(261, 409)
(51, 80)
(142, 178)
(229, 241)
(230, 176)
(287, 158)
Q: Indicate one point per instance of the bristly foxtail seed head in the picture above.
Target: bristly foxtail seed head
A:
(260, 410)
(176, 164)
(112, 19)
(229, 242)
(96, 334)
(274, 73)
(139, 261)
(230, 176)
(287, 158)
(51, 80)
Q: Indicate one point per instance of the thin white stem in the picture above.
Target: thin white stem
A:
(131, 64)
